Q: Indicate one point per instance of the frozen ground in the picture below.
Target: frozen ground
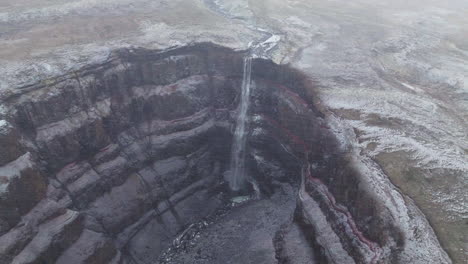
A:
(394, 72)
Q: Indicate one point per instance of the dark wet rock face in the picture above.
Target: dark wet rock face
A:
(110, 164)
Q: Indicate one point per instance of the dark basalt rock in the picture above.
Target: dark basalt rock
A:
(110, 163)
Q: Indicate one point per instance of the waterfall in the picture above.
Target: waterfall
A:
(237, 176)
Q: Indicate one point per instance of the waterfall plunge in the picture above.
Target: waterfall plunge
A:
(237, 176)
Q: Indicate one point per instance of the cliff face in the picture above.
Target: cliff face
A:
(100, 161)
(108, 164)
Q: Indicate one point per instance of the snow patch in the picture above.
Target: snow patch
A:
(404, 122)
(14, 168)
(4, 127)
(411, 87)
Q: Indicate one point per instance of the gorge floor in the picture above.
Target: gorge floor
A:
(249, 233)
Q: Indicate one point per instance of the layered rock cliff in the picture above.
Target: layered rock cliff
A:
(110, 163)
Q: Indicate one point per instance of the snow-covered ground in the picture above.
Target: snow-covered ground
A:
(395, 73)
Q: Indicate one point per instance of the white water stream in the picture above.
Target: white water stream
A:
(238, 175)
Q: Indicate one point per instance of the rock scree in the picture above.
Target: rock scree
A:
(121, 161)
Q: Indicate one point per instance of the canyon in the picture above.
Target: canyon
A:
(127, 161)
(390, 78)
